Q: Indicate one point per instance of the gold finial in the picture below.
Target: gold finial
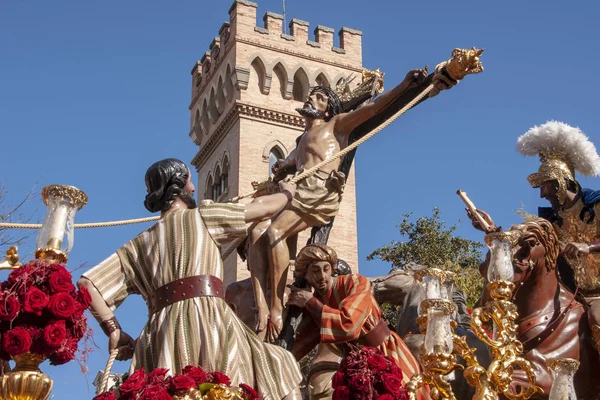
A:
(371, 83)
(375, 75)
(464, 62)
(12, 259)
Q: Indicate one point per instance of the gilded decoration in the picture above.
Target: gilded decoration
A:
(464, 62)
(77, 197)
(435, 273)
(578, 228)
(568, 364)
(511, 237)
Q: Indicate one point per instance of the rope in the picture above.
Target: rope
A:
(294, 180)
(103, 387)
(83, 226)
(354, 145)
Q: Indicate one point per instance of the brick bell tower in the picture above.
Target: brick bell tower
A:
(245, 90)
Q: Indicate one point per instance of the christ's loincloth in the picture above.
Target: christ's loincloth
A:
(318, 197)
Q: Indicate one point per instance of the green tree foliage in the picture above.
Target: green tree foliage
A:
(428, 241)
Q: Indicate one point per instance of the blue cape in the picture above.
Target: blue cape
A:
(590, 197)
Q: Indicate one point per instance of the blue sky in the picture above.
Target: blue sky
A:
(91, 93)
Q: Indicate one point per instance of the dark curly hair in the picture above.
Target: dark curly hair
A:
(165, 182)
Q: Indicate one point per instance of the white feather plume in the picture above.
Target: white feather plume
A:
(554, 135)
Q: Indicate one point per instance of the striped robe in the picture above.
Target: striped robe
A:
(200, 331)
(350, 311)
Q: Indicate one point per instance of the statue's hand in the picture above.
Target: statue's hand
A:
(416, 77)
(298, 297)
(576, 250)
(122, 341)
(477, 225)
(441, 81)
(277, 167)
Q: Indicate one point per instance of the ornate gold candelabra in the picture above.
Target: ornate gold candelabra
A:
(506, 349)
(435, 322)
(26, 381)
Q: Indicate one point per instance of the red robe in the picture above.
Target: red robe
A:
(349, 311)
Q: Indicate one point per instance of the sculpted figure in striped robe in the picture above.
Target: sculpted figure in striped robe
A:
(340, 310)
(176, 266)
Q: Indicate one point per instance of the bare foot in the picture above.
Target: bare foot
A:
(274, 327)
(262, 316)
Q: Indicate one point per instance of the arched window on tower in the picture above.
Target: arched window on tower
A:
(300, 88)
(225, 175)
(217, 192)
(208, 190)
(274, 155)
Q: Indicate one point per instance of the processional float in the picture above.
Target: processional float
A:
(441, 347)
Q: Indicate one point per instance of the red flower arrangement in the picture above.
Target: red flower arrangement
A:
(42, 312)
(193, 382)
(366, 374)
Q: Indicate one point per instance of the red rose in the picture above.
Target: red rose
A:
(182, 383)
(134, 383)
(153, 392)
(106, 396)
(341, 393)
(385, 397)
(377, 363)
(196, 373)
(79, 328)
(65, 353)
(61, 281)
(16, 341)
(338, 379)
(249, 393)
(157, 374)
(77, 313)
(84, 297)
(9, 307)
(20, 275)
(392, 384)
(218, 377)
(55, 333)
(360, 383)
(159, 377)
(35, 301)
(62, 305)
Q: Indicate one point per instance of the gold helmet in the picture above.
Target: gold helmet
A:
(562, 150)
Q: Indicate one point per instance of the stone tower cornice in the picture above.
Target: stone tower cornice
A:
(244, 110)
